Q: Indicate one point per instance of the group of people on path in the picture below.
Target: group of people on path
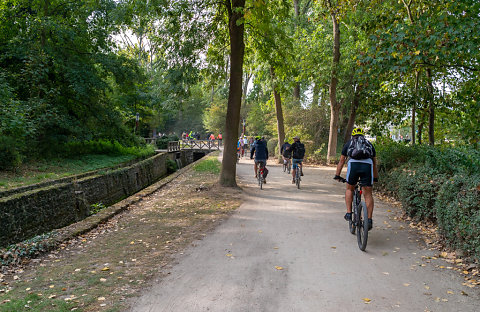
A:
(358, 153)
(243, 145)
(193, 135)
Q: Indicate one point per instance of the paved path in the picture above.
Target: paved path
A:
(290, 250)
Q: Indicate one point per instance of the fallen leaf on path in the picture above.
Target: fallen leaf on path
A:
(278, 268)
(385, 273)
(464, 293)
(406, 284)
(51, 286)
(333, 247)
(52, 296)
(449, 292)
(275, 247)
(367, 300)
(228, 255)
(427, 287)
(465, 272)
(101, 298)
(106, 269)
(72, 297)
(103, 280)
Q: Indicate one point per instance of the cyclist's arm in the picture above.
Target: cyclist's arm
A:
(340, 165)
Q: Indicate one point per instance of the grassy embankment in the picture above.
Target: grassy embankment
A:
(101, 270)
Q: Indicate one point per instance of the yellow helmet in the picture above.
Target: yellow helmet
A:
(357, 131)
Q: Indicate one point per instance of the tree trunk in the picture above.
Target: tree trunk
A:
(278, 110)
(237, 50)
(353, 115)
(420, 129)
(334, 105)
(414, 108)
(431, 109)
(316, 95)
(296, 6)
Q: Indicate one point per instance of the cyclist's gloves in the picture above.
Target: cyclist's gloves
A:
(375, 179)
(337, 177)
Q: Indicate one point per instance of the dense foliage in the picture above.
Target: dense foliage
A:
(440, 184)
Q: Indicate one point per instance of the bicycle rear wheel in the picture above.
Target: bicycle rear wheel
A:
(260, 176)
(297, 178)
(289, 167)
(362, 226)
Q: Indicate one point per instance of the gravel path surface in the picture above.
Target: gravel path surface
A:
(290, 250)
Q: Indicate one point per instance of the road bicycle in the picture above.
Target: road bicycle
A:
(260, 173)
(287, 166)
(358, 223)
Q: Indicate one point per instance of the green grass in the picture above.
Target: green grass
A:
(45, 170)
(208, 164)
(34, 302)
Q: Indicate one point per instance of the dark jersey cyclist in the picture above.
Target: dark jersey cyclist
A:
(286, 152)
(363, 168)
(259, 149)
(298, 152)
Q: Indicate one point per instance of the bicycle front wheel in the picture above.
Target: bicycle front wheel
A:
(362, 226)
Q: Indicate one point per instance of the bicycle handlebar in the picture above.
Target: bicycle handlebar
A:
(340, 179)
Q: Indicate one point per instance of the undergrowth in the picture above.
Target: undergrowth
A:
(440, 184)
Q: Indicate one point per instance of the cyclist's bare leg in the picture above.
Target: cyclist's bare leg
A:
(367, 193)
(349, 197)
(255, 168)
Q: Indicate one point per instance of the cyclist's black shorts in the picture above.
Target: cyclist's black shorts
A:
(360, 170)
(258, 161)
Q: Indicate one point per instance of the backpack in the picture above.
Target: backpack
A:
(299, 151)
(360, 148)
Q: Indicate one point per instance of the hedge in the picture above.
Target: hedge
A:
(440, 184)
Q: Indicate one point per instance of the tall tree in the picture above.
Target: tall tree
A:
(334, 103)
(236, 29)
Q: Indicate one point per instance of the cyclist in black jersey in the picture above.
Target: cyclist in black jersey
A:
(363, 166)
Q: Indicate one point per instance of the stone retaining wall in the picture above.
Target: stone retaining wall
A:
(24, 215)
